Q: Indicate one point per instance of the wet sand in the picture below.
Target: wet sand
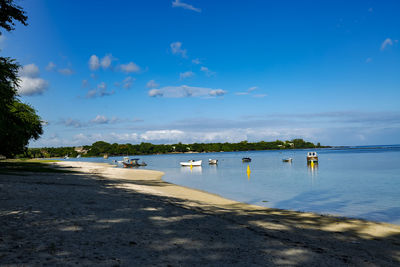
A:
(102, 215)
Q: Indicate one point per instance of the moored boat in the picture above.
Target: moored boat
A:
(191, 162)
(312, 156)
(212, 161)
(133, 163)
(287, 160)
(246, 159)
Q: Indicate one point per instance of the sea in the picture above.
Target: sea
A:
(357, 182)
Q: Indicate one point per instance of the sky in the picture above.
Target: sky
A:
(168, 71)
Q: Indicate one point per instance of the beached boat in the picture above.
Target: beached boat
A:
(312, 156)
(212, 161)
(105, 156)
(246, 159)
(66, 157)
(287, 160)
(133, 163)
(191, 162)
(78, 156)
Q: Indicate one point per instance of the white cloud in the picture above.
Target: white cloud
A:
(94, 62)
(152, 84)
(196, 61)
(66, 71)
(155, 93)
(32, 86)
(164, 135)
(72, 123)
(106, 61)
(127, 82)
(385, 43)
(260, 95)
(30, 70)
(187, 74)
(51, 66)
(85, 83)
(100, 119)
(207, 71)
(217, 92)
(100, 91)
(249, 91)
(185, 91)
(179, 3)
(176, 49)
(30, 83)
(130, 67)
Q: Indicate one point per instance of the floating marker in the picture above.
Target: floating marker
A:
(248, 171)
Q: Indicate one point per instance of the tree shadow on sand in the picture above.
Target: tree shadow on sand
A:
(80, 219)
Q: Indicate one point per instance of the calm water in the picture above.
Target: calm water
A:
(360, 182)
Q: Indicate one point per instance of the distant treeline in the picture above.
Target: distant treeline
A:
(101, 148)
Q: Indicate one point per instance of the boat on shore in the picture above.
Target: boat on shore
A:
(191, 162)
(212, 161)
(312, 157)
(246, 159)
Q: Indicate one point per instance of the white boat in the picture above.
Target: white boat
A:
(312, 157)
(78, 156)
(125, 160)
(66, 157)
(213, 161)
(191, 162)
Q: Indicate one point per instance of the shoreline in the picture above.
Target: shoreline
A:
(105, 215)
(203, 199)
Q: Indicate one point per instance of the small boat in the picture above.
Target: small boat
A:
(105, 156)
(287, 160)
(66, 157)
(126, 160)
(246, 159)
(78, 156)
(212, 161)
(191, 162)
(312, 156)
(133, 163)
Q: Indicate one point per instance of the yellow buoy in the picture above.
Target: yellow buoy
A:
(248, 171)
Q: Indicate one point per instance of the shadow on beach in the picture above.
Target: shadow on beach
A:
(83, 219)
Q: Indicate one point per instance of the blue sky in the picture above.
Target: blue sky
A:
(210, 71)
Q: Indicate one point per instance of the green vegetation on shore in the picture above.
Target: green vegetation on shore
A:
(101, 148)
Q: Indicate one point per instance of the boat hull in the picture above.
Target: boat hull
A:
(191, 163)
(314, 159)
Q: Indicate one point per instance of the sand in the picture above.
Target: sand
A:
(107, 216)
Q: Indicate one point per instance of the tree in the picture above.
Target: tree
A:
(19, 122)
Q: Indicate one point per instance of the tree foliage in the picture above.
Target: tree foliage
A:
(101, 148)
(18, 121)
(10, 12)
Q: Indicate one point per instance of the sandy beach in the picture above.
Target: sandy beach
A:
(107, 216)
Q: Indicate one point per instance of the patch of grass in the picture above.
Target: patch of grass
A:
(17, 166)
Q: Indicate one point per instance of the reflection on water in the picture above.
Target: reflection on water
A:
(313, 168)
(248, 171)
(191, 170)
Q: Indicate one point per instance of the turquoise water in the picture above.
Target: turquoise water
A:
(358, 182)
